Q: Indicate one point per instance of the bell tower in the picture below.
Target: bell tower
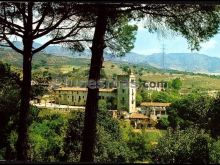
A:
(126, 92)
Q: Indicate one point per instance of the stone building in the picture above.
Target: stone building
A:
(125, 93)
(138, 120)
(154, 110)
(77, 96)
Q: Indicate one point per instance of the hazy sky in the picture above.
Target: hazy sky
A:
(148, 43)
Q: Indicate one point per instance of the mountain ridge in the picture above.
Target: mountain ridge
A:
(190, 62)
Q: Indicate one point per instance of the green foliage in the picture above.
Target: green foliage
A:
(191, 26)
(108, 148)
(182, 146)
(214, 152)
(46, 138)
(139, 146)
(163, 123)
(102, 105)
(4, 69)
(43, 62)
(175, 84)
(37, 90)
(9, 104)
(73, 137)
(192, 109)
(103, 74)
(125, 68)
(145, 94)
(214, 116)
(111, 103)
(124, 35)
(110, 125)
(163, 96)
(139, 99)
(41, 80)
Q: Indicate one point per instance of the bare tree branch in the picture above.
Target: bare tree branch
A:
(42, 18)
(22, 11)
(12, 45)
(48, 30)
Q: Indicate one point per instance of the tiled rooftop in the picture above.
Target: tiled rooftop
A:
(155, 104)
(82, 89)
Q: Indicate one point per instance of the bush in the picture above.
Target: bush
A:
(182, 146)
(215, 152)
(163, 123)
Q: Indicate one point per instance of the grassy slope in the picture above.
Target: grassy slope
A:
(57, 65)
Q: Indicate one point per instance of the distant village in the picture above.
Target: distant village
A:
(144, 116)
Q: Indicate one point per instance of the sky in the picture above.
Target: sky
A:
(147, 43)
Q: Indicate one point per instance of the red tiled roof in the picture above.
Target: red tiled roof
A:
(82, 89)
(137, 116)
(155, 104)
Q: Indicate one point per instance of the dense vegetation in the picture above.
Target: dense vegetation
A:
(56, 136)
(192, 127)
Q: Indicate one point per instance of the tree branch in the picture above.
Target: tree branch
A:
(53, 41)
(79, 40)
(42, 18)
(22, 11)
(12, 45)
(49, 29)
(8, 24)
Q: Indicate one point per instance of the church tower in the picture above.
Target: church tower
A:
(126, 92)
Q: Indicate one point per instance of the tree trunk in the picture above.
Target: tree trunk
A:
(22, 142)
(98, 45)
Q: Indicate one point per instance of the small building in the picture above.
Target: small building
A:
(138, 120)
(154, 110)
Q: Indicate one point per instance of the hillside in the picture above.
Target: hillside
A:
(62, 67)
(58, 65)
(190, 62)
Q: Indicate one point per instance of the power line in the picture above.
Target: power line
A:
(163, 57)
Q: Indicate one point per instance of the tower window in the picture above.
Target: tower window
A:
(123, 100)
(123, 90)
